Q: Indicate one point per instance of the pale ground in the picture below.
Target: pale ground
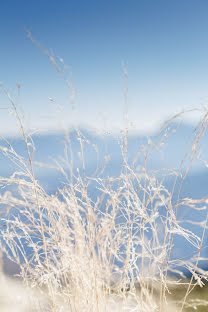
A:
(14, 297)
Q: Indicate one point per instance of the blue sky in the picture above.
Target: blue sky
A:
(164, 45)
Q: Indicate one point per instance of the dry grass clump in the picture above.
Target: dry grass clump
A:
(111, 250)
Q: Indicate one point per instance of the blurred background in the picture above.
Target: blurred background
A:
(162, 44)
(130, 63)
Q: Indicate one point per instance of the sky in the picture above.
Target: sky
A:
(162, 45)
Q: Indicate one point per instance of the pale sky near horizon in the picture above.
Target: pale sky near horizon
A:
(163, 44)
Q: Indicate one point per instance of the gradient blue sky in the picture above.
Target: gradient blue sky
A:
(164, 45)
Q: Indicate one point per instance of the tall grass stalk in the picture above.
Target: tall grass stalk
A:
(109, 252)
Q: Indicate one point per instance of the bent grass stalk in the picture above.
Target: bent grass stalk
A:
(102, 253)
